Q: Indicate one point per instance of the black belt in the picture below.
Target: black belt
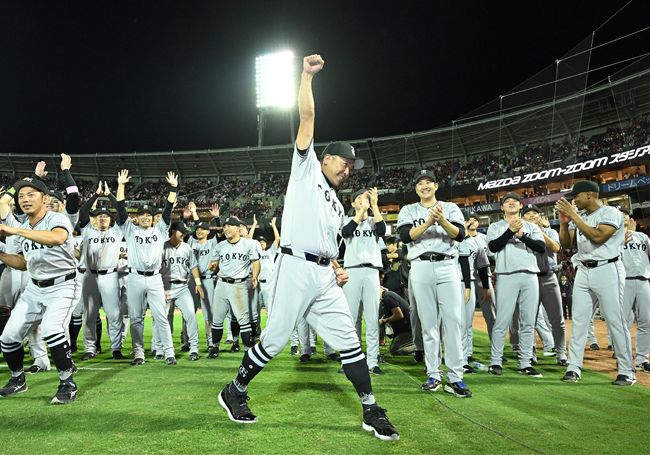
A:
(232, 280)
(320, 260)
(53, 281)
(540, 274)
(365, 265)
(178, 282)
(434, 257)
(81, 270)
(591, 263)
(102, 272)
(640, 278)
(262, 281)
(206, 277)
(144, 273)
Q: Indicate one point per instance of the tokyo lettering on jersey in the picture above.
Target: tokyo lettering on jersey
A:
(515, 256)
(235, 258)
(267, 261)
(145, 246)
(612, 247)
(177, 262)
(636, 256)
(313, 215)
(101, 248)
(363, 246)
(203, 253)
(435, 239)
(46, 262)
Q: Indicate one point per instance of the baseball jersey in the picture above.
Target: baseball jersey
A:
(363, 246)
(635, 256)
(177, 263)
(481, 242)
(607, 250)
(435, 239)
(203, 253)
(267, 261)
(145, 246)
(235, 258)
(471, 248)
(515, 256)
(547, 261)
(46, 262)
(313, 215)
(13, 245)
(80, 246)
(101, 248)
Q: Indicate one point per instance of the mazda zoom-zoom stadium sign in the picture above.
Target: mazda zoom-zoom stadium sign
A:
(567, 170)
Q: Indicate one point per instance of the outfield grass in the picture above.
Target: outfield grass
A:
(310, 408)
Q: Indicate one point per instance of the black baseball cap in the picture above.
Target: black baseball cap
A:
(530, 208)
(344, 150)
(101, 210)
(178, 226)
(358, 193)
(624, 210)
(157, 211)
(261, 238)
(469, 215)
(203, 225)
(37, 184)
(424, 174)
(584, 186)
(391, 240)
(510, 195)
(145, 209)
(233, 221)
(58, 195)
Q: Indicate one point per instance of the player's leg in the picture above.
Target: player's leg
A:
(76, 322)
(543, 330)
(92, 302)
(109, 291)
(156, 301)
(137, 303)
(467, 313)
(583, 312)
(642, 314)
(552, 302)
(370, 298)
(487, 305)
(506, 293)
(185, 303)
(609, 287)
(239, 298)
(450, 299)
(220, 308)
(528, 307)
(253, 307)
(304, 338)
(353, 291)
(416, 327)
(38, 350)
(206, 309)
(265, 290)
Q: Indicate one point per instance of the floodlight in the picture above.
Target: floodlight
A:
(275, 80)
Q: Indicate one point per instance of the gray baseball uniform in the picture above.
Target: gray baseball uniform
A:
(488, 305)
(516, 270)
(203, 254)
(600, 275)
(435, 283)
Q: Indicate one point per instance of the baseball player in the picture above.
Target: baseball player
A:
(431, 229)
(549, 287)
(267, 261)
(47, 253)
(362, 259)
(515, 243)
(599, 233)
(144, 284)
(234, 257)
(307, 278)
(636, 259)
(178, 263)
(100, 281)
(473, 262)
(486, 301)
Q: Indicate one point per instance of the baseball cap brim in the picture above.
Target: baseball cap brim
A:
(33, 183)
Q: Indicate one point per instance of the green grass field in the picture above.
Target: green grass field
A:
(310, 408)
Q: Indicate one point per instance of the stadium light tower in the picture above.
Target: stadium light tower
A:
(275, 87)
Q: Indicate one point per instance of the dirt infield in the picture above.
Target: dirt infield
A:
(596, 360)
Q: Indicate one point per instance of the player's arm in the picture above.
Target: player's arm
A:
(380, 224)
(197, 282)
(465, 271)
(84, 210)
(256, 271)
(172, 180)
(122, 179)
(276, 233)
(550, 243)
(311, 65)
(253, 228)
(56, 236)
(15, 261)
(535, 241)
(71, 189)
(5, 200)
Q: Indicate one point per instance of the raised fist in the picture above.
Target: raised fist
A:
(312, 64)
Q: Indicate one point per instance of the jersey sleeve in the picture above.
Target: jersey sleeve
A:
(454, 215)
(612, 217)
(404, 217)
(536, 232)
(552, 233)
(254, 250)
(481, 259)
(493, 232)
(163, 228)
(303, 165)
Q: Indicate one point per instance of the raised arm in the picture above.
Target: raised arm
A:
(276, 233)
(71, 189)
(311, 65)
(172, 180)
(122, 179)
(84, 210)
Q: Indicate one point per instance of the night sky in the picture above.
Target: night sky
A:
(117, 76)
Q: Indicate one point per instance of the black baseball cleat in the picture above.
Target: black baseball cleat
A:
(496, 370)
(117, 355)
(334, 357)
(645, 367)
(73, 348)
(35, 369)
(170, 360)
(294, 350)
(418, 356)
(15, 385)
(159, 357)
(88, 356)
(563, 362)
(594, 347)
(376, 370)
(67, 393)
(74, 368)
(571, 376)
(622, 380)
(235, 404)
(137, 361)
(458, 389)
(530, 371)
(376, 422)
(213, 352)
(153, 353)
(468, 369)
(194, 356)
(305, 358)
(234, 347)
(432, 385)
(471, 359)
(185, 348)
